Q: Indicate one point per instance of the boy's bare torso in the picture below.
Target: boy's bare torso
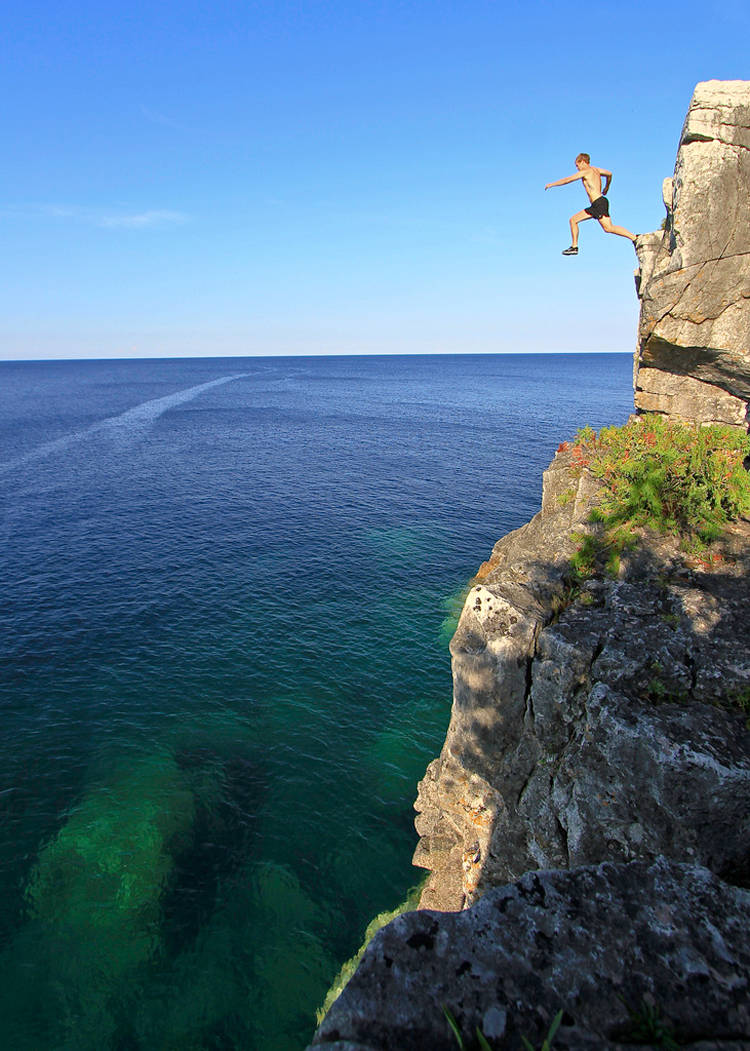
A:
(591, 178)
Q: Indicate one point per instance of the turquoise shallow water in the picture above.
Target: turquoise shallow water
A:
(228, 587)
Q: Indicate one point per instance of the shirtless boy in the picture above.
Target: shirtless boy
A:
(599, 208)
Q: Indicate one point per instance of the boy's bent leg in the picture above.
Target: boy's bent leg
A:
(608, 226)
(579, 217)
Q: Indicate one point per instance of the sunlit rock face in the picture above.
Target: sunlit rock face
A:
(693, 356)
(607, 725)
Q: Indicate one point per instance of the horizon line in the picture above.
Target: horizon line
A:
(332, 354)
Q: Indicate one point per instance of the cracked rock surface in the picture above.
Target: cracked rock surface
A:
(693, 357)
(610, 946)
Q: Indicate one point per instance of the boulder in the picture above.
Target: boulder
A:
(629, 953)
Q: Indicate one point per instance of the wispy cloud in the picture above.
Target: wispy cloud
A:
(141, 220)
(107, 219)
(56, 211)
(156, 117)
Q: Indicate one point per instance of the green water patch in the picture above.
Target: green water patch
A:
(397, 757)
(93, 907)
(103, 875)
(394, 765)
(133, 881)
(452, 605)
(402, 545)
(224, 729)
(252, 979)
(292, 968)
(339, 815)
(347, 872)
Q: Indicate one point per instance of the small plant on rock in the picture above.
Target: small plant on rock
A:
(648, 1027)
(656, 689)
(547, 1042)
(457, 1032)
(482, 1039)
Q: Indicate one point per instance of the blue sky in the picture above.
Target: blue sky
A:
(335, 177)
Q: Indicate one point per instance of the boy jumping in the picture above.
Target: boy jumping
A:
(599, 207)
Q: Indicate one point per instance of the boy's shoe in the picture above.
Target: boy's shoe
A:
(570, 251)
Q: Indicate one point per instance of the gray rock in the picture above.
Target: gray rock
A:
(601, 728)
(693, 357)
(487, 754)
(608, 945)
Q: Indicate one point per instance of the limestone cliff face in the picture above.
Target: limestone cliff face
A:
(587, 820)
(604, 730)
(693, 357)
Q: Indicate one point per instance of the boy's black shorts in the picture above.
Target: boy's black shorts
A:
(598, 208)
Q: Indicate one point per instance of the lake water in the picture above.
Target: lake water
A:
(227, 591)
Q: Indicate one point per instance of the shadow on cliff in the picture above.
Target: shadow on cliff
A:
(603, 720)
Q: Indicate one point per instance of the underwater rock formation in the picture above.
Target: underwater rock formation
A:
(94, 906)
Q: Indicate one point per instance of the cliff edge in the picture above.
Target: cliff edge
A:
(586, 826)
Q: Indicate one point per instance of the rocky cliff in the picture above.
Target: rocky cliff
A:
(599, 729)
(588, 815)
(693, 357)
(647, 955)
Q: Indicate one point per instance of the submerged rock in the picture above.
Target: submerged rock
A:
(625, 951)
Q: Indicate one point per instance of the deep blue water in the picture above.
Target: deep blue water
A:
(227, 589)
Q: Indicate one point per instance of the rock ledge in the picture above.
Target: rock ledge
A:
(603, 944)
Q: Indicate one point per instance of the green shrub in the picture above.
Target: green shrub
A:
(675, 478)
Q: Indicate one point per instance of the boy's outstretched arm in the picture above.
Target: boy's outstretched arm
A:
(608, 179)
(567, 179)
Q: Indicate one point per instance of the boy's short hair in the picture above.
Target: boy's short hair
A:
(583, 157)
